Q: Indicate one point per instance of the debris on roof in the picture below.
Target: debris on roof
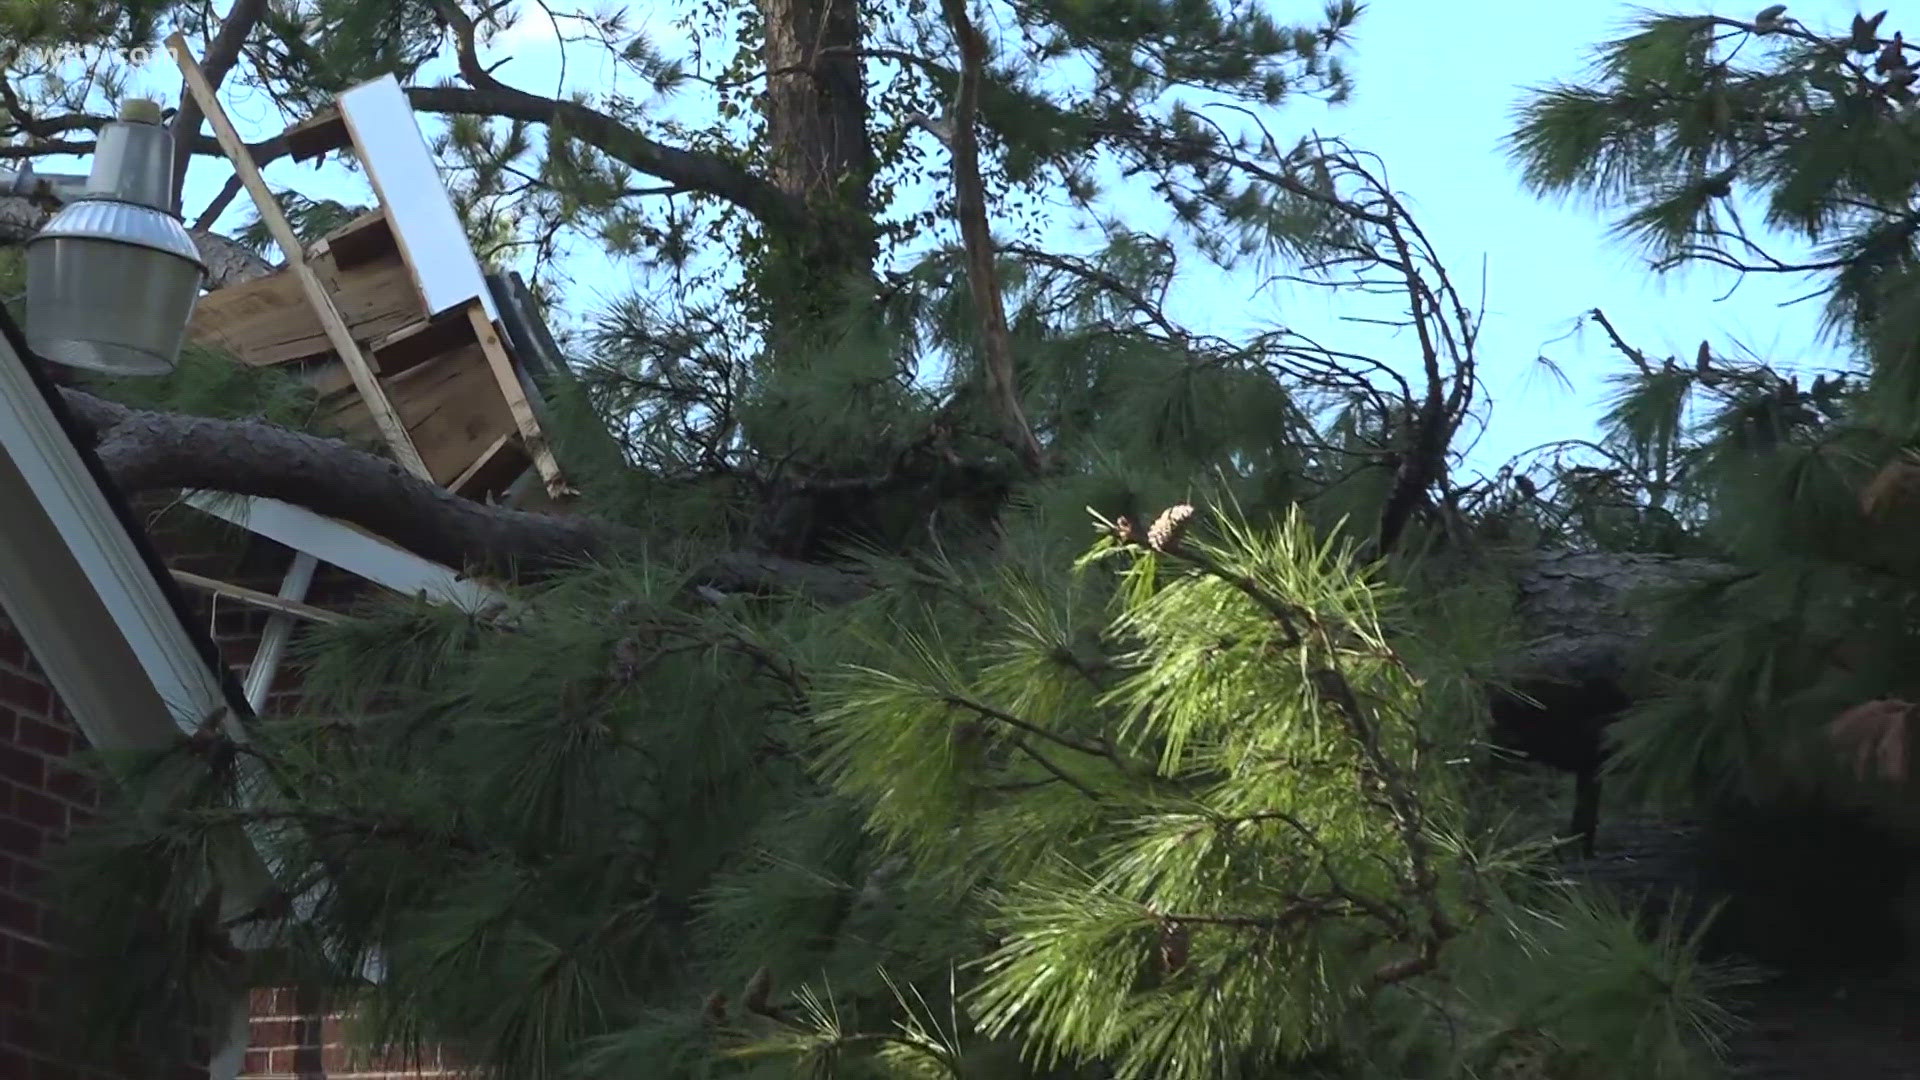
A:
(390, 316)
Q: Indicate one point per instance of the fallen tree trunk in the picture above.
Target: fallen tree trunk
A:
(145, 450)
(1587, 620)
(1578, 606)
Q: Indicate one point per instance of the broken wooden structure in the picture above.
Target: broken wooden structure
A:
(413, 349)
(389, 317)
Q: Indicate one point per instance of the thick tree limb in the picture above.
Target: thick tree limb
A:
(46, 146)
(229, 262)
(681, 168)
(221, 55)
(145, 451)
(970, 201)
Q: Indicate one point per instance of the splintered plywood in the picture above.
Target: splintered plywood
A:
(387, 140)
(269, 321)
(451, 408)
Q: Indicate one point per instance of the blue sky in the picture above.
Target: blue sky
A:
(1436, 85)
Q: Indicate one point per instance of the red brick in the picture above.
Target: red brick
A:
(273, 1034)
(29, 957)
(19, 914)
(20, 840)
(22, 767)
(71, 784)
(24, 694)
(40, 810)
(23, 1030)
(43, 737)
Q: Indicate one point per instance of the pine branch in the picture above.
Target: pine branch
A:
(1402, 799)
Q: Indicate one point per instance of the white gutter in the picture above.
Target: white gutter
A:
(82, 593)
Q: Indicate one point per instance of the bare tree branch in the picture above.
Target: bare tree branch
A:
(220, 57)
(681, 168)
(970, 201)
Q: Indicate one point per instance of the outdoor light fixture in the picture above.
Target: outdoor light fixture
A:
(112, 279)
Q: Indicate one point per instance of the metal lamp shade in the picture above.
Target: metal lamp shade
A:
(110, 287)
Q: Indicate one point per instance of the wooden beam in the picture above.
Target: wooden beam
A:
(279, 605)
(384, 416)
(321, 133)
(531, 436)
(494, 469)
(361, 240)
(418, 342)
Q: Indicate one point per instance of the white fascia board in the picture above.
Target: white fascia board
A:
(354, 550)
(80, 591)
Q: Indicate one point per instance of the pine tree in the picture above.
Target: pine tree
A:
(1783, 686)
(1194, 806)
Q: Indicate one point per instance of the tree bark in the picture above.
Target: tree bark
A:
(970, 202)
(144, 450)
(821, 158)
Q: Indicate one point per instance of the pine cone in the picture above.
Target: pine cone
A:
(628, 660)
(756, 997)
(1169, 527)
(1175, 944)
(1895, 488)
(1875, 735)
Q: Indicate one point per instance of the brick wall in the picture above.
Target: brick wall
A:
(40, 799)
(288, 1039)
(295, 1039)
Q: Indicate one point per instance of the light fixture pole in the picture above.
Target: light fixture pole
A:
(113, 278)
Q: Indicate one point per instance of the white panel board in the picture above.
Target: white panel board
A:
(401, 167)
(350, 549)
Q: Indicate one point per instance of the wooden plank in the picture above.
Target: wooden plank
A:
(508, 380)
(419, 342)
(279, 605)
(322, 133)
(283, 234)
(268, 321)
(362, 240)
(454, 420)
(451, 407)
(352, 549)
(494, 469)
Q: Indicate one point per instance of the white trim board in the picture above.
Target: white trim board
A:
(386, 137)
(351, 549)
(80, 591)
